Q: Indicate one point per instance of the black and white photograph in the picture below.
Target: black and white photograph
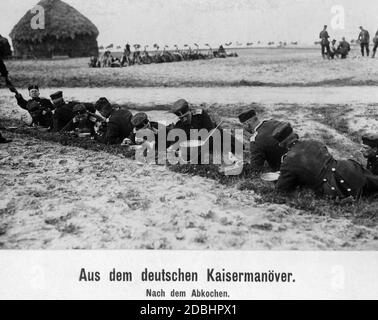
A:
(209, 125)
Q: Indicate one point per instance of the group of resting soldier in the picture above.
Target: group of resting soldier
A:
(301, 163)
(308, 163)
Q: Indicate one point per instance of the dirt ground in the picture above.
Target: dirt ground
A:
(61, 197)
(56, 197)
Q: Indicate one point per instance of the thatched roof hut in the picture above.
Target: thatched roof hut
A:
(5, 49)
(67, 33)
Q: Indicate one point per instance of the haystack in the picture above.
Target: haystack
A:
(67, 33)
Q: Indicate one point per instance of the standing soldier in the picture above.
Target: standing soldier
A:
(309, 164)
(263, 146)
(375, 40)
(4, 74)
(364, 38)
(324, 36)
(40, 109)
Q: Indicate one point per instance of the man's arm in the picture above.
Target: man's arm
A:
(111, 135)
(21, 101)
(287, 181)
(47, 104)
(257, 157)
(70, 126)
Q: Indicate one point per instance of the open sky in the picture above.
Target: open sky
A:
(210, 21)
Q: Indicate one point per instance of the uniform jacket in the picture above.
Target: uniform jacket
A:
(155, 129)
(63, 115)
(39, 109)
(85, 123)
(344, 47)
(309, 164)
(119, 127)
(364, 36)
(324, 36)
(200, 120)
(266, 148)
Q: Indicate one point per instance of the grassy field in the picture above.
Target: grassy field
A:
(257, 67)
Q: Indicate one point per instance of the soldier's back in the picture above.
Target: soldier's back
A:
(307, 159)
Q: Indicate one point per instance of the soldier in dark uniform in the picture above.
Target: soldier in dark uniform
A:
(375, 40)
(309, 164)
(83, 121)
(119, 124)
(324, 36)
(4, 74)
(198, 119)
(364, 38)
(63, 111)
(344, 48)
(370, 152)
(141, 122)
(40, 109)
(263, 146)
(191, 119)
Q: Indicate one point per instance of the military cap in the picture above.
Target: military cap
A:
(244, 117)
(282, 132)
(57, 95)
(101, 103)
(34, 86)
(370, 140)
(180, 107)
(79, 108)
(140, 120)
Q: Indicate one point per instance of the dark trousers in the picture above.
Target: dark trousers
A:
(365, 46)
(325, 47)
(375, 49)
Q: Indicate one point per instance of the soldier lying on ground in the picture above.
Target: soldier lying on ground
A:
(141, 122)
(63, 112)
(118, 121)
(370, 152)
(83, 121)
(40, 109)
(191, 118)
(197, 119)
(264, 148)
(309, 164)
